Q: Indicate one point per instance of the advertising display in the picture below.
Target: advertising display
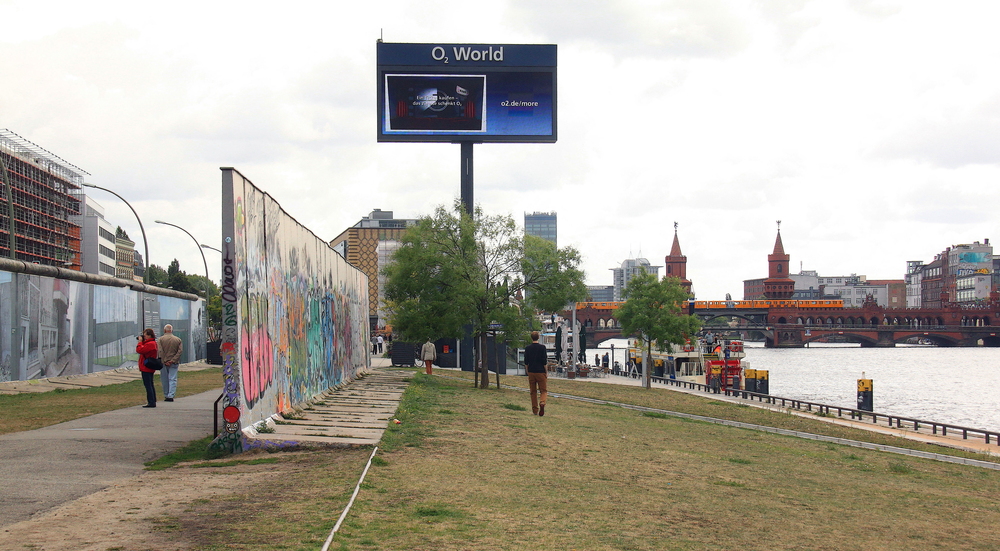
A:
(466, 93)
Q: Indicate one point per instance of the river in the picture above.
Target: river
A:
(960, 386)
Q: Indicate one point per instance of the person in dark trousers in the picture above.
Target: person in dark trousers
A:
(146, 347)
(535, 360)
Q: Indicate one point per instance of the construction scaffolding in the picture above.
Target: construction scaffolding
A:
(46, 191)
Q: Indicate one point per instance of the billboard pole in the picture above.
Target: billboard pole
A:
(467, 194)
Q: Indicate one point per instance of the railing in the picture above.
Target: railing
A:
(893, 421)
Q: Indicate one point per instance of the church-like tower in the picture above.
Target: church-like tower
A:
(676, 263)
(778, 284)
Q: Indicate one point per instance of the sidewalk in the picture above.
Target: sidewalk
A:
(41, 469)
(87, 380)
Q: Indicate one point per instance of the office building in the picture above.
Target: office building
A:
(44, 190)
(541, 224)
(368, 246)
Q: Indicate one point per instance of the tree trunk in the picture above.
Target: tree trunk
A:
(484, 365)
(647, 366)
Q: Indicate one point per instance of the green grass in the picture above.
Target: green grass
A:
(196, 450)
(488, 476)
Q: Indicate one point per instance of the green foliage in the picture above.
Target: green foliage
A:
(453, 270)
(653, 310)
(156, 276)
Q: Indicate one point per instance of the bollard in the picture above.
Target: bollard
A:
(762, 384)
(866, 401)
(750, 380)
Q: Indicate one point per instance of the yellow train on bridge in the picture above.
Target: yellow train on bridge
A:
(759, 304)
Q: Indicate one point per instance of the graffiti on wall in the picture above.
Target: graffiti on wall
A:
(295, 313)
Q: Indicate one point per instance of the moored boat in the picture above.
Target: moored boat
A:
(696, 362)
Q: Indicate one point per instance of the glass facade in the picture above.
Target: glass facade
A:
(541, 224)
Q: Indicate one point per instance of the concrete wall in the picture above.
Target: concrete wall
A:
(295, 313)
(56, 322)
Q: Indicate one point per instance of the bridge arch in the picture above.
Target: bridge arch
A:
(864, 341)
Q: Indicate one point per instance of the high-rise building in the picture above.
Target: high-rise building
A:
(368, 246)
(541, 224)
(629, 269)
(44, 191)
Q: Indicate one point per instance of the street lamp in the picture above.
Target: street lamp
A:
(204, 246)
(205, 262)
(145, 244)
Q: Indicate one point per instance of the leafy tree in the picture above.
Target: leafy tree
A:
(156, 276)
(653, 310)
(454, 271)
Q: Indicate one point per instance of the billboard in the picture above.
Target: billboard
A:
(466, 92)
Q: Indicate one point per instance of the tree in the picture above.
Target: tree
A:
(653, 310)
(454, 271)
(156, 276)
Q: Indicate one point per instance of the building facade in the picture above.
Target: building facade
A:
(44, 191)
(629, 269)
(124, 256)
(368, 246)
(97, 239)
(542, 224)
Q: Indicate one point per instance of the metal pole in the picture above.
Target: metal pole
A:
(467, 190)
(207, 279)
(201, 252)
(145, 244)
(12, 240)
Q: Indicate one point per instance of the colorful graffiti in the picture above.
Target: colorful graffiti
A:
(295, 313)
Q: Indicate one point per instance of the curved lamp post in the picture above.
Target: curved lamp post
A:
(145, 244)
(204, 246)
(205, 262)
(207, 280)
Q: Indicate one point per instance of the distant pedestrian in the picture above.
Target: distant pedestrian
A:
(170, 348)
(607, 360)
(374, 345)
(597, 360)
(380, 340)
(146, 347)
(535, 358)
(428, 353)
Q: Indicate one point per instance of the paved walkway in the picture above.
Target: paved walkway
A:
(41, 469)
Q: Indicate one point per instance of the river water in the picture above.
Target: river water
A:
(960, 386)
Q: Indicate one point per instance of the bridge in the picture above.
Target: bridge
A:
(794, 324)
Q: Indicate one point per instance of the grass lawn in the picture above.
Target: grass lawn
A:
(473, 469)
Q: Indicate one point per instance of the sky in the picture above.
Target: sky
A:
(871, 129)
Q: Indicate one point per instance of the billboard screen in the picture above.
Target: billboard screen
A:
(476, 93)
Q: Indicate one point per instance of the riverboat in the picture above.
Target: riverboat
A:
(696, 362)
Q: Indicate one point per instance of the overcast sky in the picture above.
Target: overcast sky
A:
(871, 129)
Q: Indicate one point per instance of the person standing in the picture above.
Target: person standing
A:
(146, 347)
(380, 340)
(170, 346)
(535, 359)
(428, 353)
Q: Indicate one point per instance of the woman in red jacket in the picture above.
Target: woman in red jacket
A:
(146, 347)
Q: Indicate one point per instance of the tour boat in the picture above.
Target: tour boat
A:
(693, 362)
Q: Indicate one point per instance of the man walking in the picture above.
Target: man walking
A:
(428, 353)
(170, 347)
(535, 360)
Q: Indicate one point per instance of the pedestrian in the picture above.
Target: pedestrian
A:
(535, 358)
(428, 353)
(170, 347)
(374, 345)
(380, 340)
(146, 347)
(597, 360)
(607, 360)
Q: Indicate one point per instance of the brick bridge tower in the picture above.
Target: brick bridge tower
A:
(676, 263)
(778, 284)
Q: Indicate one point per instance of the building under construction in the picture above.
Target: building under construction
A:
(45, 191)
